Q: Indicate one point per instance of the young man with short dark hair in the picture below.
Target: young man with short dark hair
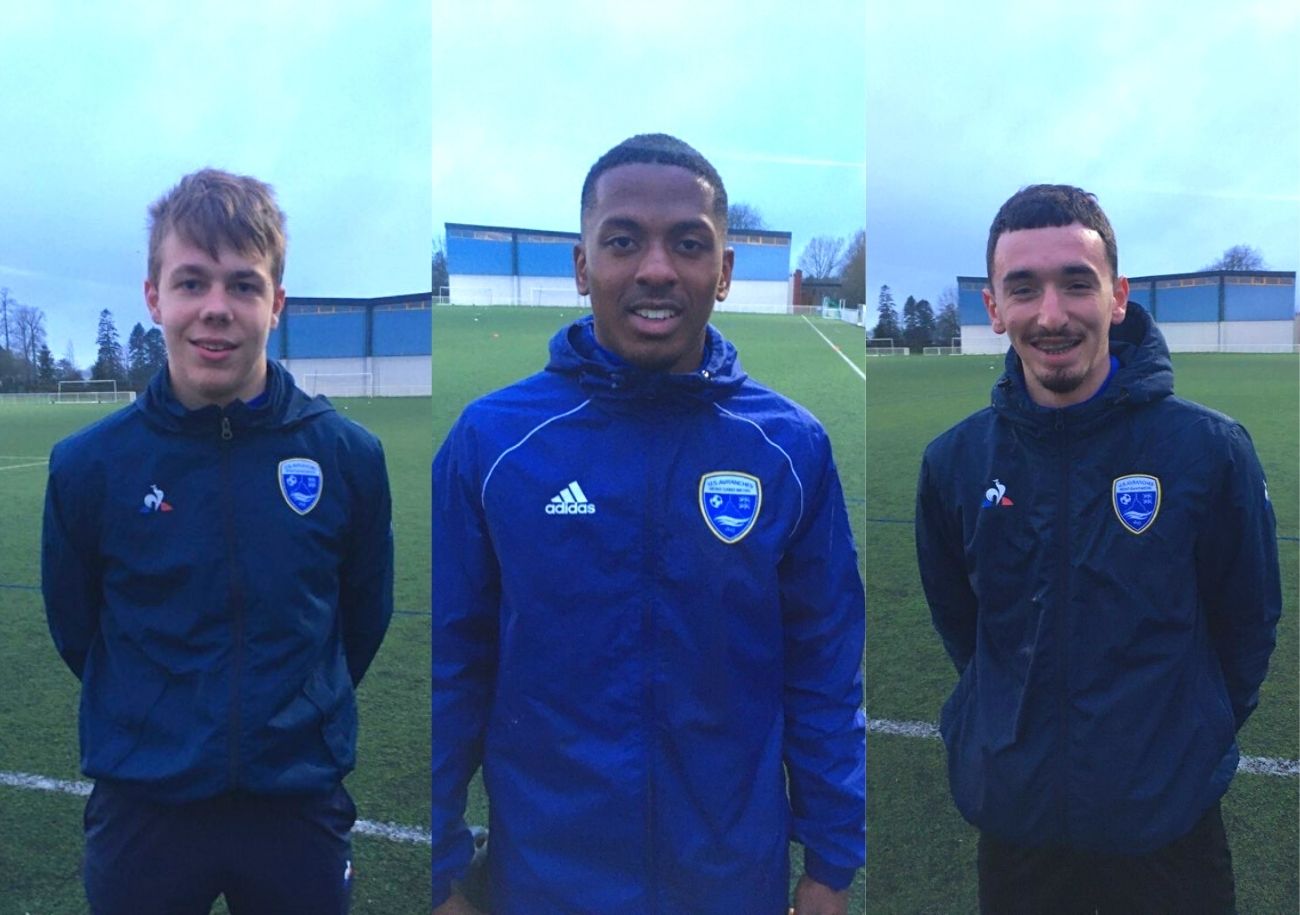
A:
(1100, 561)
(640, 670)
(217, 571)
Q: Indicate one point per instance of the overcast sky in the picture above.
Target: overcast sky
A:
(107, 106)
(1186, 126)
(1181, 117)
(529, 95)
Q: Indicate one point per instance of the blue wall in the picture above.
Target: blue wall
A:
(1252, 302)
(402, 333)
(544, 259)
(467, 255)
(478, 256)
(1176, 304)
(970, 303)
(327, 335)
(762, 262)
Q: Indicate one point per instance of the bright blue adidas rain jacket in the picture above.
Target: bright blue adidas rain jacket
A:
(218, 613)
(636, 654)
(1105, 578)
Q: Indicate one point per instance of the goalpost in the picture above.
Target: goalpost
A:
(884, 346)
(340, 384)
(94, 390)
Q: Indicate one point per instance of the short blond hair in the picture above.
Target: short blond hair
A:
(210, 208)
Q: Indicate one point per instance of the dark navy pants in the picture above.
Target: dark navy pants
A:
(269, 855)
(1190, 876)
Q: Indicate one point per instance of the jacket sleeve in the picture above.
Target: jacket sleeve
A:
(824, 616)
(70, 564)
(466, 588)
(1237, 567)
(366, 573)
(940, 557)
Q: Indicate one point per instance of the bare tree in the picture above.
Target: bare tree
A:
(854, 271)
(947, 322)
(742, 215)
(29, 326)
(6, 302)
(440, 274)
(821, 257)
(1238, 257)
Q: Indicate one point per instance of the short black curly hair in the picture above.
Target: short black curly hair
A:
(1040, 206)
(657, 149)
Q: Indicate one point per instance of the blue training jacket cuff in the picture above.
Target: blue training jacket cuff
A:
(837, 878)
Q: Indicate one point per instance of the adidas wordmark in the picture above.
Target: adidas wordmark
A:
(571, 500)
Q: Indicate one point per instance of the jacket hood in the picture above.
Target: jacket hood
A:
(601, 373)
(285, 405)
(1145, 373)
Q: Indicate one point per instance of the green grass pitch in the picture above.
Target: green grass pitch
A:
(40, 831)
(920, 853)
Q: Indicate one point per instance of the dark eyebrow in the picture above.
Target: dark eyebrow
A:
(244, 275)
(1016, 276)
(1079, 270)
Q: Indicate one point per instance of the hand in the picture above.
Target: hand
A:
(456, 905)
(813, 898)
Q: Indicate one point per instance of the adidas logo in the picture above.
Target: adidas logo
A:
(570, 501)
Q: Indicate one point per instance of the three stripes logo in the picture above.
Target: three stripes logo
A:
(571, 500)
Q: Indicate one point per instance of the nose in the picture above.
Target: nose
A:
(656, 267)
(216, 307)
(1051, 310)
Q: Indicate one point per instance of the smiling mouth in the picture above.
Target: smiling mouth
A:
(214, 346)
(654, 314)
(1055, 346)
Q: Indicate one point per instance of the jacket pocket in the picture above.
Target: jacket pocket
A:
(113, 719)
(338, 711)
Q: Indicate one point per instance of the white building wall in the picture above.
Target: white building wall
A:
(390, 376)
(757, 296)
(1182, 336)
(761, 296)
(1259, 335)
(979, 339)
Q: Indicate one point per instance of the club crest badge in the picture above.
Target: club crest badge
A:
(730, 503)
(301, 483)
(1136, 498)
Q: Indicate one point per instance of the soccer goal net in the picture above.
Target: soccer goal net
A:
(884, 346)
(94, 390)
(340, 384)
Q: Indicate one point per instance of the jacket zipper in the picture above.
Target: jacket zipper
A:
(647, 622)
(236, 607)
(1062, 620)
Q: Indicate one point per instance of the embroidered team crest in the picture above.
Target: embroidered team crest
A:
(730, 503)
(1136, 498)
(301, 483)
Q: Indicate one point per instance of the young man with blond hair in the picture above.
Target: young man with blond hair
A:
(217, 572)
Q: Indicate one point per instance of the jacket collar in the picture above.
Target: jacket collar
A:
(604, 375)
(1145, 375)
(285, 405)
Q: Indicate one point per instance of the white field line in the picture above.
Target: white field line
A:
(40, 463)
(390, 831)
(1255, 765)
(839, 352)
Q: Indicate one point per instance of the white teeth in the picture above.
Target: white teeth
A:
(654, 315)
(215, 347)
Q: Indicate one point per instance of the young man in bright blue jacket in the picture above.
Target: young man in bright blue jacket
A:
(1100, 561)
(217, 570)
(647, 610)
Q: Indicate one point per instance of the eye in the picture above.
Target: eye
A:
(692, 245)
(620, 242)
(189, 285)
(245, 288)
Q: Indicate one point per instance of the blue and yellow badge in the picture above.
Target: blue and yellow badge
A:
(730, 502)
(1136, 498)
(301, 483)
